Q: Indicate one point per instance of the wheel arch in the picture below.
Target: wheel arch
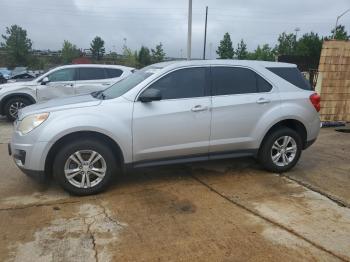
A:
(13, 95)
(293, 124)
(112, 144)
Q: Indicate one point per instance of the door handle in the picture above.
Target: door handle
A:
(106, 84)
(68, 85)
(262, 100)
(199, 108)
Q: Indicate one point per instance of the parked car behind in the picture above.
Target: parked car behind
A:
(167, 113)
(21, 77)
(3, 80)
(59, 82)
(5, 72)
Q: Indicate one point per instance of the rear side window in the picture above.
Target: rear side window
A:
(112, 73)
(90, 73)
(236, 80)
(183, 83)
(292, 75)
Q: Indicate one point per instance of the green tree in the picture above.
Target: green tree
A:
(17, 45)
(225, 49)
(130, 57)
(144, 56)
(264, 53)
(340, 33)
(309, 44)
(241, 51)
(286, 44)
(69, 52)
(97, 48)
(158, 54)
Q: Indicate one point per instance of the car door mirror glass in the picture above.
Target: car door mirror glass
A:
(45, 80)
(150, 95)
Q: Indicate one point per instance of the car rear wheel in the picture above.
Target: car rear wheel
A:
(281, 150)
(84, 167)
(13, 105)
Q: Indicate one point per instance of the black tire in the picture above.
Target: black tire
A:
(84, 144)
(13, 101)
(265, 152)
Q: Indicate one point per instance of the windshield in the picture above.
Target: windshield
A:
(123, 86)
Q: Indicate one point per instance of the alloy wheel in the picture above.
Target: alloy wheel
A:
(283, 151)
(15, 107)
(85, 169)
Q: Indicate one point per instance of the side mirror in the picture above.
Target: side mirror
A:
(150, 95)
(45, 80)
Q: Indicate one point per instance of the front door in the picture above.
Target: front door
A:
(178, 125)
(61, 83)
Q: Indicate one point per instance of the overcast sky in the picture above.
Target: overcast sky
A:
(148, 22)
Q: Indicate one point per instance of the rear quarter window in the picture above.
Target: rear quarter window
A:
(112, 73)
(292, 75)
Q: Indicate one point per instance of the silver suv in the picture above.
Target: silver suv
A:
(61, 81)
(168, 113)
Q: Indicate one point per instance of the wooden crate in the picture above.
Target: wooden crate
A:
(335, 84)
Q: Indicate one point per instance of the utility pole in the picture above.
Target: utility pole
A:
(205, 31)
(189, 35)
(296, 32)
(336, 23)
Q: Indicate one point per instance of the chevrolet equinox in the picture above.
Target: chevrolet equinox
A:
(166, 113)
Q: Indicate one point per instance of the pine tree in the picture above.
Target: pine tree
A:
(225, 49)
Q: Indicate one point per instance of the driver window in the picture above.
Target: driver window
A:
(62, 75)
(183, 83)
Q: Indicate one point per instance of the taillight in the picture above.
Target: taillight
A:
(316, 101)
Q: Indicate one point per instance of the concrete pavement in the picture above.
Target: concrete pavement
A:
(217, 211)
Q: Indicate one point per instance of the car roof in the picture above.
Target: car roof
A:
(97, 65)
(231, 62)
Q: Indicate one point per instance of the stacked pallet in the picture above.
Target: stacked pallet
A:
(334, 81)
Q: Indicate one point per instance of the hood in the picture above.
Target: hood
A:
(15, 85)
(60, 104)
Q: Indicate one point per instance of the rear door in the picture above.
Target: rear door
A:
(91, 79)
(240, 98)
(61, 83)
(179, 124)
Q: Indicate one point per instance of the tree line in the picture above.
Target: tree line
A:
(18, 47)
(309, 44)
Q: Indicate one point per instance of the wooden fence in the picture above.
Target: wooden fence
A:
(334, 81)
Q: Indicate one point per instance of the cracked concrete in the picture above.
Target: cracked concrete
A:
(216, 211)
(84, 237)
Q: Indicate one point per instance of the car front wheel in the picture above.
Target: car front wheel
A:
(14, 105)
(84, 167)
(281, 150)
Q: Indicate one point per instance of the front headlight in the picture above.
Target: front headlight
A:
(31, 122)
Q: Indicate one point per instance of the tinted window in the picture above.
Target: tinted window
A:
(112, 73)
(67, 74)
(263, 85)
(90, 73)
(292, 75)
(183, 83)
(233, 80)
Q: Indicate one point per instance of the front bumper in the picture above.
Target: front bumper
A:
(30, 158)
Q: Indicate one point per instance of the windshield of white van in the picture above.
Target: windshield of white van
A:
(123, 86)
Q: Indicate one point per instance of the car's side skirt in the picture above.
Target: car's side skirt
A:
(193, 158)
